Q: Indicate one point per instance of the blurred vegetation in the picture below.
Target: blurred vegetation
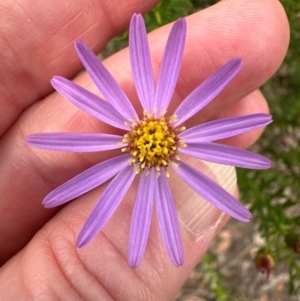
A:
(272, 195)
(167, 11)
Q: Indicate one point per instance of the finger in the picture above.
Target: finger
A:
(27, 65)
(48, 169)
(52, 266)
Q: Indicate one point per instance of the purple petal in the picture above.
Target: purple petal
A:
(141, 218)
(170, 66)
(86, 181)
(212, 192)
(168, 221)
(75, 142)
(107, 85)
(224, 128)
(88, 102)
(141, 62)
(224, 154)
(106, 205)
(207, 91)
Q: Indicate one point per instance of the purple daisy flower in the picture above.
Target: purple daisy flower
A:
(152, 144)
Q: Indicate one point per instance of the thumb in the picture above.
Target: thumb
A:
(50, 267)
(197, 215)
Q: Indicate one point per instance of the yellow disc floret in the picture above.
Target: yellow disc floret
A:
(152, 142)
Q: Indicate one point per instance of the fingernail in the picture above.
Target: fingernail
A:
(195, 213)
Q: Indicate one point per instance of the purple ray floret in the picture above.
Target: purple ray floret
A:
(150, 143)
(168, 222)
(141, 62)
(212, 192)
(88, 102)
(105, 82)
(75, 142)
(224, 128)
(224, 154)
(141, 217)
(170, 67)
(207, 91)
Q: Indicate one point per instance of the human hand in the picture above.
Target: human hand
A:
(52, 266)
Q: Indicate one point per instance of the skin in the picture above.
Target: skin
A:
(37, 245)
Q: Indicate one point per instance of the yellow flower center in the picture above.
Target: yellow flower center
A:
(152, 142)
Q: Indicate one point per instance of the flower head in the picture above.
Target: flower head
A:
(151, 144)
(264, 261)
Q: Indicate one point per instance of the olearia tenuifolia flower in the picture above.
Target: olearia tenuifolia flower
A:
(151, 144)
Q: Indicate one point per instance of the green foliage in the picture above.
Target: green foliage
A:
(215, 282)
(200, 4)
(167, 11)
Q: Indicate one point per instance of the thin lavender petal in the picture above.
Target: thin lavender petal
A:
(224, 128)
(86, 181)
(207, 91)
(224, 154)
(75, 142)
(170, 66)
(168, 221)
(141, 218)
(141, 62)
(107, 85)
(212, 192)
(88, 102)
(106, 205)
